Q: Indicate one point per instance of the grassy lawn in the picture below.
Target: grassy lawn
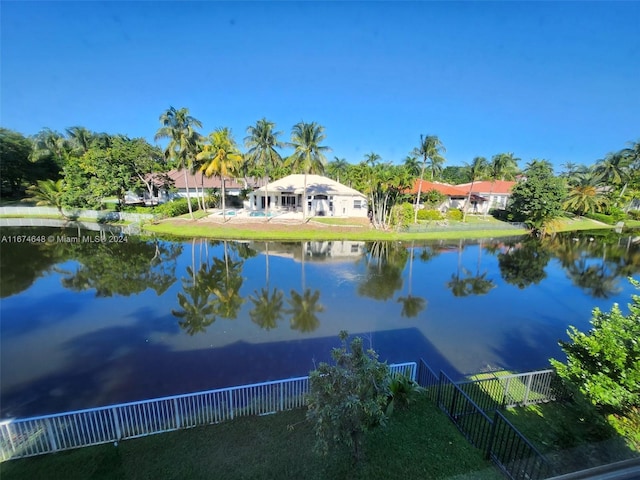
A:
(575, 438)
(420, 443)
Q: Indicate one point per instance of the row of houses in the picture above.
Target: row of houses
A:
(326, 197)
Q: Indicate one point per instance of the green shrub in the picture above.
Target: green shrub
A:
(602, 217)
(176, 207)
(455, 215)
(634, 214)
(429, 215)
(402, 215)
(403, 392)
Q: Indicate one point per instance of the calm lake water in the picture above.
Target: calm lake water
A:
(86, 321)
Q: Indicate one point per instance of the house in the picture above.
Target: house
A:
(325, 197)
(172, 184)
(494, 195)
(456, 197)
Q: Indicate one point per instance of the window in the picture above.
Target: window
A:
(357, 204)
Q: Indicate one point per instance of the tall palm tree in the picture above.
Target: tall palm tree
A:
(615, 169)
(51, 143)
(503, 165)
(47, 192)
(81, 138)
(412, 165)
(476, 169)
(430, 149)
(179, 128)
(222, 158)
(308, 155)
(262, 142)
(338, 166)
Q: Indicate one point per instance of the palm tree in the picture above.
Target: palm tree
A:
(262, 142)
(308, 155)
(179, 127)
(81, 138)
(615, 169)
(47, 192)
(412, 165)
(338, 166)
(503, 165)
(429, 149)
(586, 196)
(221, 158)
(476, 170)
(51, 143)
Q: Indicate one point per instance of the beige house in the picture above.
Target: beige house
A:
(325, 197)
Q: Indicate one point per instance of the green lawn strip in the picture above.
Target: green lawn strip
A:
(79, 219)
(571, 437)
(229, 232)
(517, 387)
(417, 443)
(349, 222)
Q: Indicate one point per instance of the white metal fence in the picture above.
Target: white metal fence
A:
(51, 433)
(98, 215)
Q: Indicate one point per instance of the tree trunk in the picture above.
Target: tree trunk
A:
(186, 184)
(466, 203)
(415, 208)
(224, 207)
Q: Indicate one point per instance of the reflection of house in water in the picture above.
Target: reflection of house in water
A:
(328, 250)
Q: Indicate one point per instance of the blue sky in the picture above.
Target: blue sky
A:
(552, 80)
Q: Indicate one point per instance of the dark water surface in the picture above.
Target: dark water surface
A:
(92, 322)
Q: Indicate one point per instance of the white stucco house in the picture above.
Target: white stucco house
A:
(325, 197)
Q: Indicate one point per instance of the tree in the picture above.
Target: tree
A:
(476, 169)
(538, 198)
(222, 158)
(349, 398)
(262, 142)
(308, 155)
(412, 165)
(429, 149)
(179, 128)
(337, 167)
(585, 196)
(604, 364)
(502, 166)
(47, 192)
(15, 166)
(614, 169)
(81, 139)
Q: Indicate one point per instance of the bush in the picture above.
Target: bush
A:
(455, 215)
(429, 215)
(604, 364)
(348, 399)
(402, 215)
(176, 207)
(634, 214)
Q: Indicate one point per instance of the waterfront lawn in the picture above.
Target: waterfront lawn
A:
(418, 443)
(574, 436)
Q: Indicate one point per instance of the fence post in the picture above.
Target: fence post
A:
(525, 401)
(492, 435)
(282, 396)
(176, 408)
(439, 394)
(52, 438)
(229, 395)
(116, 423)
(506, 392)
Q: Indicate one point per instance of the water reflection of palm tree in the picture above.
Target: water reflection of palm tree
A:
(196, 312)
(304, 310)
(597, 280)
(411, 306)
(479, 284)
(267, 308)
(385, 264)
(459, 285)
(226, 286)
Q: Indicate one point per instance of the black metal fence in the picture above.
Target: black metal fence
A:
(467, 405)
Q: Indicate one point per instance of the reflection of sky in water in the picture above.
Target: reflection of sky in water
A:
(65, 350)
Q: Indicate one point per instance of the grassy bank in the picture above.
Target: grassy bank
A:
(418, 443)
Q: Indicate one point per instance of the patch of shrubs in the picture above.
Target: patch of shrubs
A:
(634, 214)
(429, 215)
(175, 208)
(455, 215)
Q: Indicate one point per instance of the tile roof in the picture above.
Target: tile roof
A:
(198, 179)
(499, 187)
(444, 188)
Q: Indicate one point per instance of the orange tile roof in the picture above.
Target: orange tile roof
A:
(484, 186)
(443, 188)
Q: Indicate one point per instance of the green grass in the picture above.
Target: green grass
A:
(349, 222)
(517, 388)
(420, 443)
(573, 437)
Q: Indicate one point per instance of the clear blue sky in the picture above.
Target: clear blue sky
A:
(559, 81)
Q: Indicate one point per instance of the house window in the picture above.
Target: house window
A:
(357, 204)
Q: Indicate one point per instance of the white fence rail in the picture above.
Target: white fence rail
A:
(97, 215)
(51, 433)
